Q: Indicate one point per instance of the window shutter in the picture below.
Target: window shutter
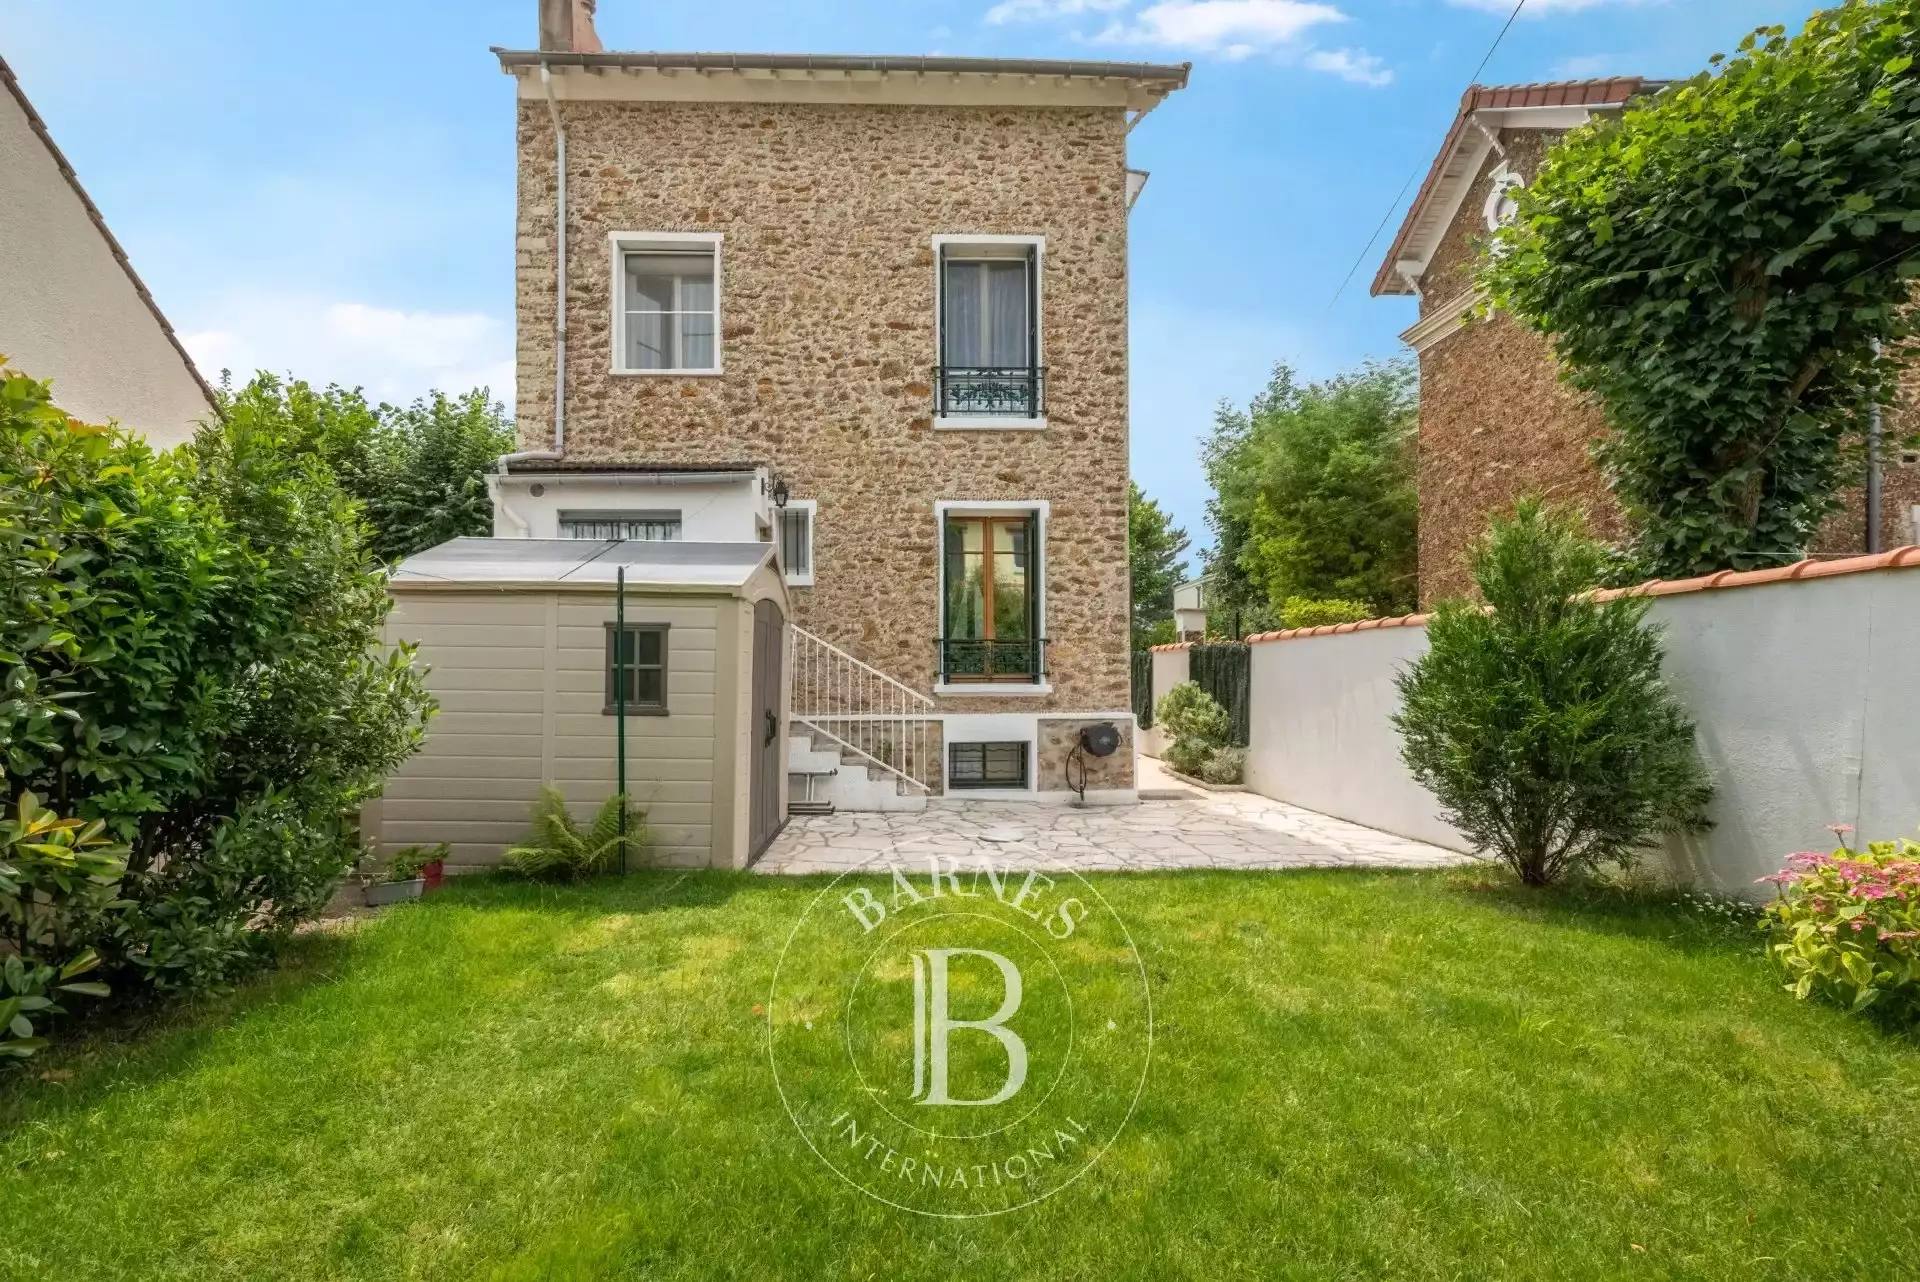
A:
(1033, 306)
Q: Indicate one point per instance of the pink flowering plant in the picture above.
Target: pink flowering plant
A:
(1846, 925)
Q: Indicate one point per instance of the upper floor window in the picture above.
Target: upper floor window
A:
(661, 526)
(667, 302)
(989, 327)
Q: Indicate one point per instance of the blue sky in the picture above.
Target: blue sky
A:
(328, 188)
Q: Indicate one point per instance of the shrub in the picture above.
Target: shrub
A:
(193, 645)
(1308, 612)
(1225, 765)
(1541, 721)
(1846, 926)
(1196, 726)
(557, 849)
(59, 881)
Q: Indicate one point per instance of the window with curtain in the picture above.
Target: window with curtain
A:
(987, 310)
(670, 306)
(990, 624)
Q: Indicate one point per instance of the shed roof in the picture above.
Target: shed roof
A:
(583, 563)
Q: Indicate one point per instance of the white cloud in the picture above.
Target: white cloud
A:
(1543, 8)
(1354, 65)
(396, 356)
(1041, 10)
(1235, 28)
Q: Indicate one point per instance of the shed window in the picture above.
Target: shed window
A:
(987, 765)
(644, 657)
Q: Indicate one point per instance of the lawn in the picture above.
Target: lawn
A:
(1355, 1075)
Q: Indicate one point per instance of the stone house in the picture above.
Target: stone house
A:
(874, 310)
(1496, 422)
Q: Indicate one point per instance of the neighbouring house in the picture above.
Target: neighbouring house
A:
(1190, 610)
(72, 309)
(521, 634)
(1496, 422)
(875, 311)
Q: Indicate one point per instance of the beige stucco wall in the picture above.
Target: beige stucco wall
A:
(828, 214)
(68, 310)
(521, 681)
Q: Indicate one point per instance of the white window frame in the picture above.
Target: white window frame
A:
(1038, 244)
(1042, 511)
(812, 508)
(619, 244)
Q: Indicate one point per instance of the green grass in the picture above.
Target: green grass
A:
(1355, 1076)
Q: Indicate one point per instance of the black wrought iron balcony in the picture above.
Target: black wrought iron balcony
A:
(1007, 661)
(965, 392)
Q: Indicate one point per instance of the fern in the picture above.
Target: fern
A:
(555, 848)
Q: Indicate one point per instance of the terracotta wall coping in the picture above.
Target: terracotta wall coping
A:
(1907, 558)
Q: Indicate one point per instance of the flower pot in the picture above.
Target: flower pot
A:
(435, 873)
(392, 892)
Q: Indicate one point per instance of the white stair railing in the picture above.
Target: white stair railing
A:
(863, 710)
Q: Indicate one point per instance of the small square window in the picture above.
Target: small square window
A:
(642, 660)
(796, 541)
(667, 303)
(987, 765)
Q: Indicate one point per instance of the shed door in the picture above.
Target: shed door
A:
(769, 663)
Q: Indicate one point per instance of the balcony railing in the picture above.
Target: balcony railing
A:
(961, 392)
(1007, 661)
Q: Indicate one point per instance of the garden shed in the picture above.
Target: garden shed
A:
(519, 638)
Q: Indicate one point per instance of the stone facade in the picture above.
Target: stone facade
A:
(1058, 738)
(828, 213)
(1496, 422)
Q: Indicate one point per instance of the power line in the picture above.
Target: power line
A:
(1371, 240)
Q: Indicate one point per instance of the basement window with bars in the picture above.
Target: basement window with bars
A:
(987, 765)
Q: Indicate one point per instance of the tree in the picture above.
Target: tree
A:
(1315, 492)
(418, 472)
(1716, 267)
(1155, 547)
(1540, 719)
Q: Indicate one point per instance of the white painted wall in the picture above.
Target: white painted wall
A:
(68, 310)
(1320, 733)
(1807, 695)
(717, 509)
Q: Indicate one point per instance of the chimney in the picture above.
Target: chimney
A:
(566, 26)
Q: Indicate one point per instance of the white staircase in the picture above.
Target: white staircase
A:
(860, 739)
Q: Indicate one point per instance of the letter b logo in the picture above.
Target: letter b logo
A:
(932, 1026)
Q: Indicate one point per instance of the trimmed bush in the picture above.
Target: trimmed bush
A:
(1306, 612)
(1225, 765)
(1846, 927)
(1540, 720)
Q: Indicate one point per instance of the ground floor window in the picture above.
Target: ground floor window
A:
(656, 526)
(987, 765)
(990, 615)
(796, 541)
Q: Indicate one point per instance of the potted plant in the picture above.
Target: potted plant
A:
(402, 878)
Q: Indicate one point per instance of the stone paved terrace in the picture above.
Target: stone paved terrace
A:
(1222, 830)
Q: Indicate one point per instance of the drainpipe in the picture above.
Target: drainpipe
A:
(1876, 431)
(559, 449)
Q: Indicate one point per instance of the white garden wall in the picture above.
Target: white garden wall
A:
(1806, 692)
(1170, 667)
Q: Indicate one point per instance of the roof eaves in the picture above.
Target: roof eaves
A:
(40, 129)
(1174, 74)
(1613, 91)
